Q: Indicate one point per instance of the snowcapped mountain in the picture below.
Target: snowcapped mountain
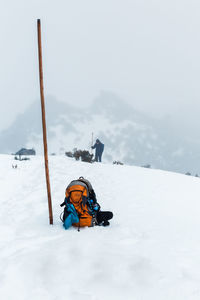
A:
(150, 251)
(129, 136)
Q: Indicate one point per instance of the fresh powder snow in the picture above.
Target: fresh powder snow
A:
(149, 251)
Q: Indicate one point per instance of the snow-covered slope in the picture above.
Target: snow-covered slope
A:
(129, 135)
(150, 251)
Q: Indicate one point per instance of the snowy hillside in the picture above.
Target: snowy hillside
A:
(128, 135)
(150, 251)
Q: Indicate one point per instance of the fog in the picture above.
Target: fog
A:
(145, 51)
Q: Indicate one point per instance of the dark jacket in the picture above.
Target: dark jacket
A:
(99, 147)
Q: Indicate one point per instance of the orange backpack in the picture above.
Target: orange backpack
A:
(77, 194)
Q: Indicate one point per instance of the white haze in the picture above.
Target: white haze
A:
(147, 52)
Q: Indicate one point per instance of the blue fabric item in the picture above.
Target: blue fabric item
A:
(72, 217)
(95, 207)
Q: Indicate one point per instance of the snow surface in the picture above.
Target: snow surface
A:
(150, 251)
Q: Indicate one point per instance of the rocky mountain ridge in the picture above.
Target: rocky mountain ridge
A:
(129, 136)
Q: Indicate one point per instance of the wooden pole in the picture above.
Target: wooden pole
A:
(44, 121)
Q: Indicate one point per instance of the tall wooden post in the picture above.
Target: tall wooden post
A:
(44, 121)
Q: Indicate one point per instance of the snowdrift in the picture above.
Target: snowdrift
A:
(150, 251)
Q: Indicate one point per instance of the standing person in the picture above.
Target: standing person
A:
(99, 150)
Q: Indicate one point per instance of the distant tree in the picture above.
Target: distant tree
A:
(84, 155)
(77, 154)
(147, 166)
(188, 173)
(21, 158)
(69, 154)
(117, 162)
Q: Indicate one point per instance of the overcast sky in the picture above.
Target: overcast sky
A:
(146, 51)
